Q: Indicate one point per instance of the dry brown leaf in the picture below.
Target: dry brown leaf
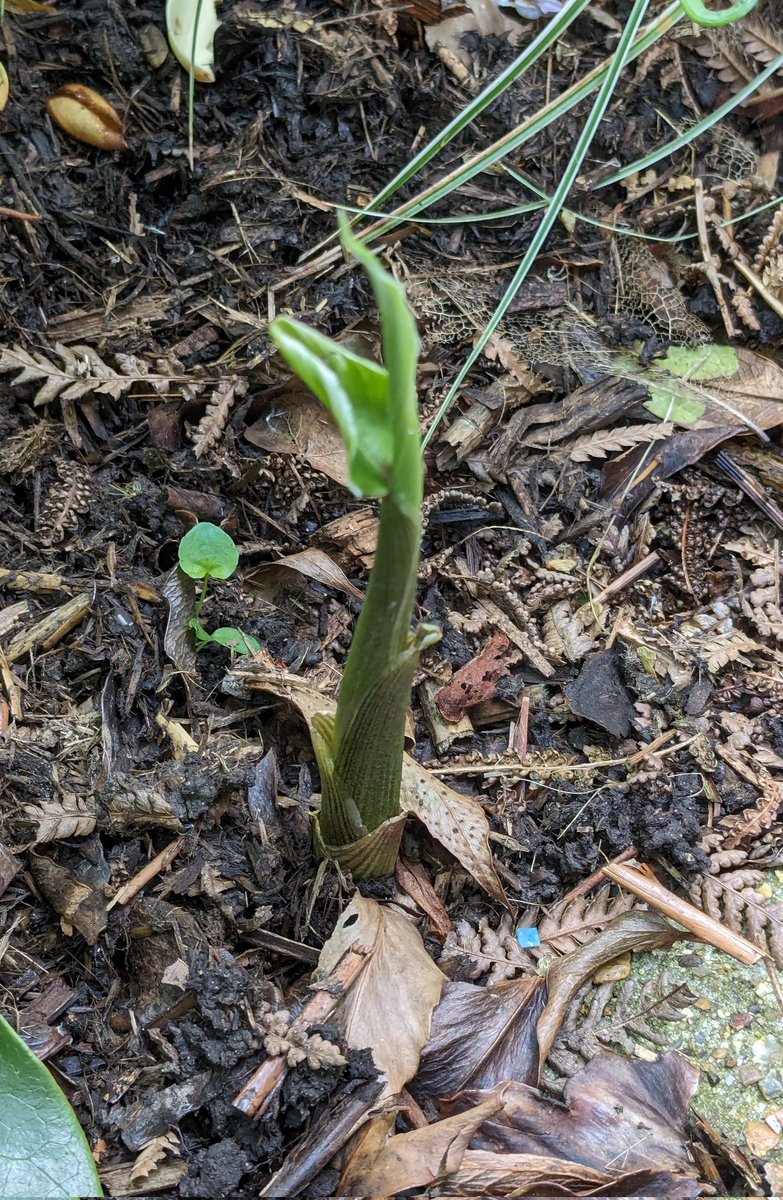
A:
(389, 1007)
(313, 564)
(477, 680)
(151, 1156)
(296, 423)
(386, 1166)
(457, 821)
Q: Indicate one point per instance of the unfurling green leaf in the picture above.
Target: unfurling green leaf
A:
(43, 1151)
(355, 391)
(208, 552)
(360, 749)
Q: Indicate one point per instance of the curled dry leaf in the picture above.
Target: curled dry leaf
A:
(389, 1007)
(413, 1159)
(313, 564)
(87, 116)
(457, 821)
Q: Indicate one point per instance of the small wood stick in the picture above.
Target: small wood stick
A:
(148, 872)
(642, 882)
(266, 1081)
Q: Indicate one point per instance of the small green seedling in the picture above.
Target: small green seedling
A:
(208, 552)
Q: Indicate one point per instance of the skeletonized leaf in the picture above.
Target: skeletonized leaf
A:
(389, 1007)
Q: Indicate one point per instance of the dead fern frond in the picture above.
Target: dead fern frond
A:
(610, 441)
(81, 372)
(574, 923)
(731, 898)
(210, 428)
(616, 1015)
(745, 826)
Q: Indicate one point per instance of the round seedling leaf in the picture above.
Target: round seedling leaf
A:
(43, 1151)
(207, 550)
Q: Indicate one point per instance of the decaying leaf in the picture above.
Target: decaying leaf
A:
(477, 680)
(313, 564)
(389, 1007)
(152, 1155)
(621, 1115)
(457, 821)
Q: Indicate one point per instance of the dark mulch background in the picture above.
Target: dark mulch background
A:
(137, 254)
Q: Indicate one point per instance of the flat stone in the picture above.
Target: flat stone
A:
(750, 1075)
(770, 1087)
(760, 1138)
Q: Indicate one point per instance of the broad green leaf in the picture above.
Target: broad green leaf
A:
(43, 1151)
(671, 402)
(701, 362)
(355, 391)
(235, 639)
(207, 551)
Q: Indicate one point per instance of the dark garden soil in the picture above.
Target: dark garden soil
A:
(119, 741)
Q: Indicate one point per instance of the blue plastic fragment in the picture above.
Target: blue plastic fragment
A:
(528, 937)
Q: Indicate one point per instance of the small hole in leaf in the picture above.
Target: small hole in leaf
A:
(354, 917)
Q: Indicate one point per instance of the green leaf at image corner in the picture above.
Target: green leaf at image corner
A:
(207, 551)
(354, 390)
(43, 1150)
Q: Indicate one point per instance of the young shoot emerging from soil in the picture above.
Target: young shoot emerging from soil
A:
(360, 748)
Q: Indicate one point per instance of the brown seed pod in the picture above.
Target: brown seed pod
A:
(85, 115)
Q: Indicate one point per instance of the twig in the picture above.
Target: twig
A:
(641, 881)
(147, 873)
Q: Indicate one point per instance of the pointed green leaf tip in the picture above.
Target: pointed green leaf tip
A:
(367, 404)
(43, 1151)
(207, 551)
(354, 390)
